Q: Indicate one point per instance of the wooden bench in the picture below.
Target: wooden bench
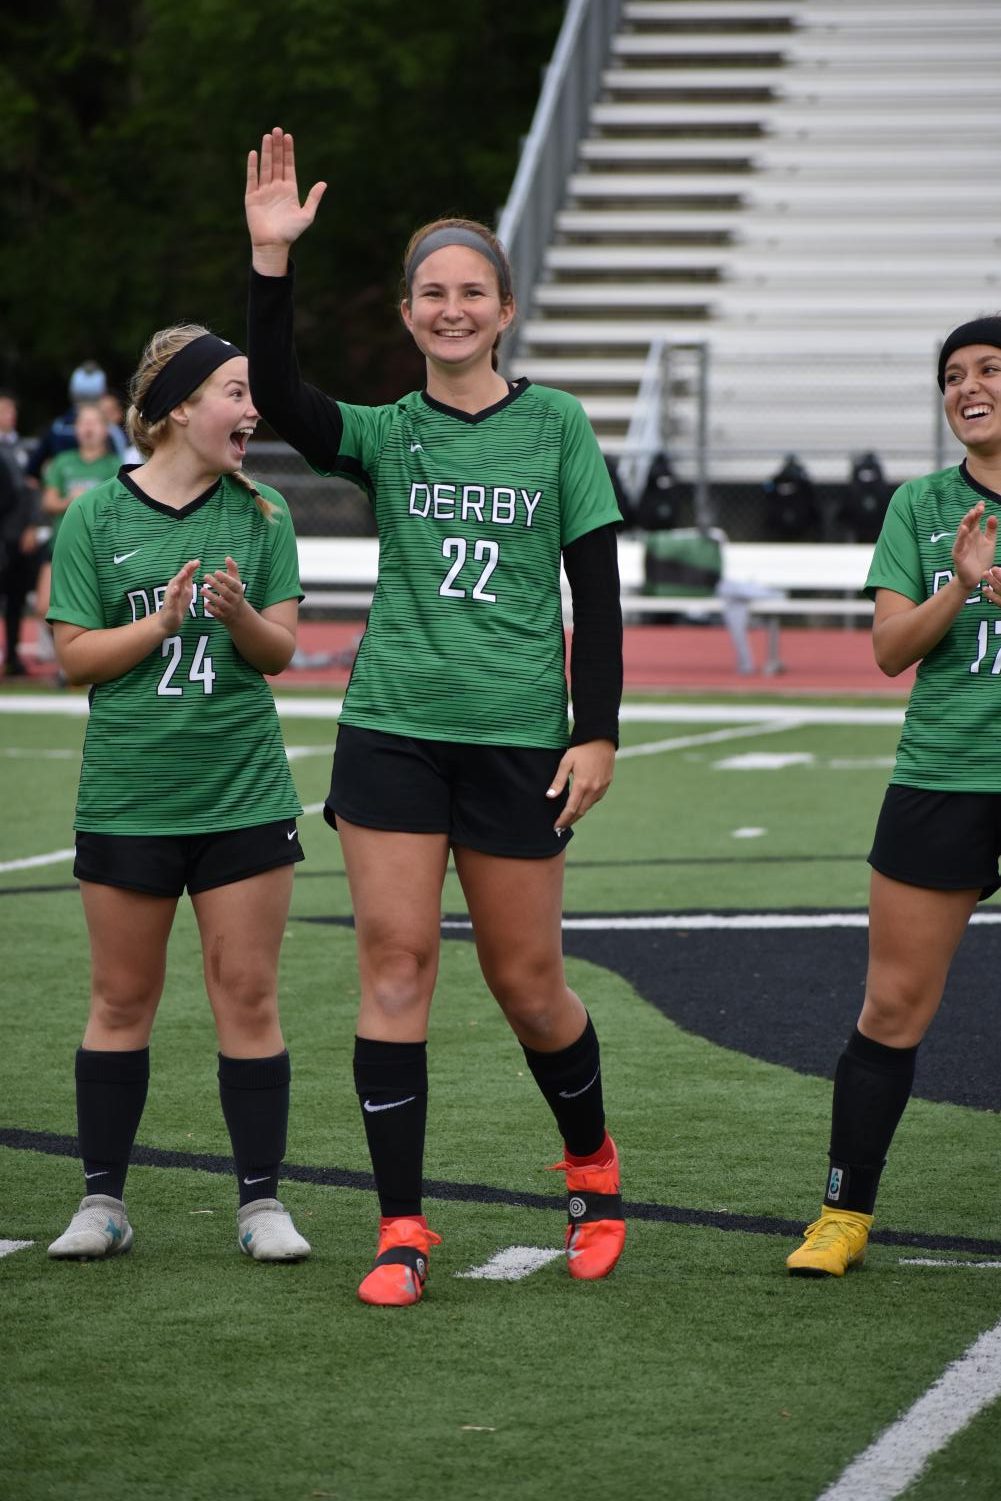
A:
(766, 582)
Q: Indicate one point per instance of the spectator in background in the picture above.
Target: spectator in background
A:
(18, 537)
(11, 442)
(114, 415)
(18, 554)
(87, 383)
(72, 473)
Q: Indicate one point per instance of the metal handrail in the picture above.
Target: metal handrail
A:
(549, 153)
(645, 433)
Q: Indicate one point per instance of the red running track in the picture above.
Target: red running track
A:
(660, 658)
(684, 658)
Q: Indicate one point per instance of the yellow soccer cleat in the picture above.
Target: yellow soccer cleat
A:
(831, 1244)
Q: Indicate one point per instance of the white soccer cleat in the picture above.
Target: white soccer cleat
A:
(266, 1232)
(100, 1227)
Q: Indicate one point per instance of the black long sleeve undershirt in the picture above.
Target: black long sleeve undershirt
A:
(592, 570)
(311, 422)
(305, 417)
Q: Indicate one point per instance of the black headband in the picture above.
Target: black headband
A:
(980, 331)
(184, 373)
(454, 235)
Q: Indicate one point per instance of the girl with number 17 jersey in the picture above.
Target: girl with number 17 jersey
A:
(937, 846)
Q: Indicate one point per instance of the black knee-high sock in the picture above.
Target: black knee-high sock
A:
(570, 1081)
(254, 1095)
(872, 1084)
(110, 1096)
(392, 1083)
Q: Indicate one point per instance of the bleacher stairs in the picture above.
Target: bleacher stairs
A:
(809, 187)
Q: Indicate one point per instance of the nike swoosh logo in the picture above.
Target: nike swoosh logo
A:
(249, 1181)
(571, 1094)
(393, 1105)
(938, 536)
(121, 556)
(102, 1174)
(291, 833)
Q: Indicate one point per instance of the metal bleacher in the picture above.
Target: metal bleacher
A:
(810, 191)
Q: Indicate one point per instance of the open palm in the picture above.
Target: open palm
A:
(274, 214)
(974, 549)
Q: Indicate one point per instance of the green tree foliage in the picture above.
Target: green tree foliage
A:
(126, 131)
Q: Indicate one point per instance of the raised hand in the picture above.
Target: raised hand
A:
(973, 550)
(275, 217)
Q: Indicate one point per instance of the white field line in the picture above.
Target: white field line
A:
(8, 1247)
(301, 752)
(934, 1261)
(513, 1263)
(32, 861)
(899, 1455)
(290, 707)
(28, 753)
(711, 737)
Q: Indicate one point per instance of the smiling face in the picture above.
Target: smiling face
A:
(219, 418)
(454, 310)
(973, 396)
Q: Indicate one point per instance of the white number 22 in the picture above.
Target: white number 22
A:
(485, 551)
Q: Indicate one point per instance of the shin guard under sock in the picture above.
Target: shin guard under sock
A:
(872, 1084)
(254, 1093)
(391, 1079)
(111, 1093)
(570, 1081)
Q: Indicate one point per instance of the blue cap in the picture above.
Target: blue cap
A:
(87, 382)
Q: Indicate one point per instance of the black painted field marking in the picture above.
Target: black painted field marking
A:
(53, 1145)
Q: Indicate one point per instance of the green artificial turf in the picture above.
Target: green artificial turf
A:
(698, 1371)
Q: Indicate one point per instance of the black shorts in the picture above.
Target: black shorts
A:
(948, 841)
(490, 798)
(163, 864)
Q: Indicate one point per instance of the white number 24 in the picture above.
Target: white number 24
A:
(200, 671)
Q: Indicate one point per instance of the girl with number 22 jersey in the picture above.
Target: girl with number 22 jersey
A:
(453, 738)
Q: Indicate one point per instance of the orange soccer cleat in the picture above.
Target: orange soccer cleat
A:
(400, 1268)
(596, 1233)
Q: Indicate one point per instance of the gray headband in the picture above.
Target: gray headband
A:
(439, 238)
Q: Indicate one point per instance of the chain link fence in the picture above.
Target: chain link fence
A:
(320, 507)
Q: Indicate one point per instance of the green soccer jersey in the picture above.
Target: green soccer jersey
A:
(188, 741)
(465, 636)
(72, 476)
(949, 741)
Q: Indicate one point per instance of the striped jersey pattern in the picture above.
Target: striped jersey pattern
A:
(465, 638)
(188, 741)
(950, 736)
